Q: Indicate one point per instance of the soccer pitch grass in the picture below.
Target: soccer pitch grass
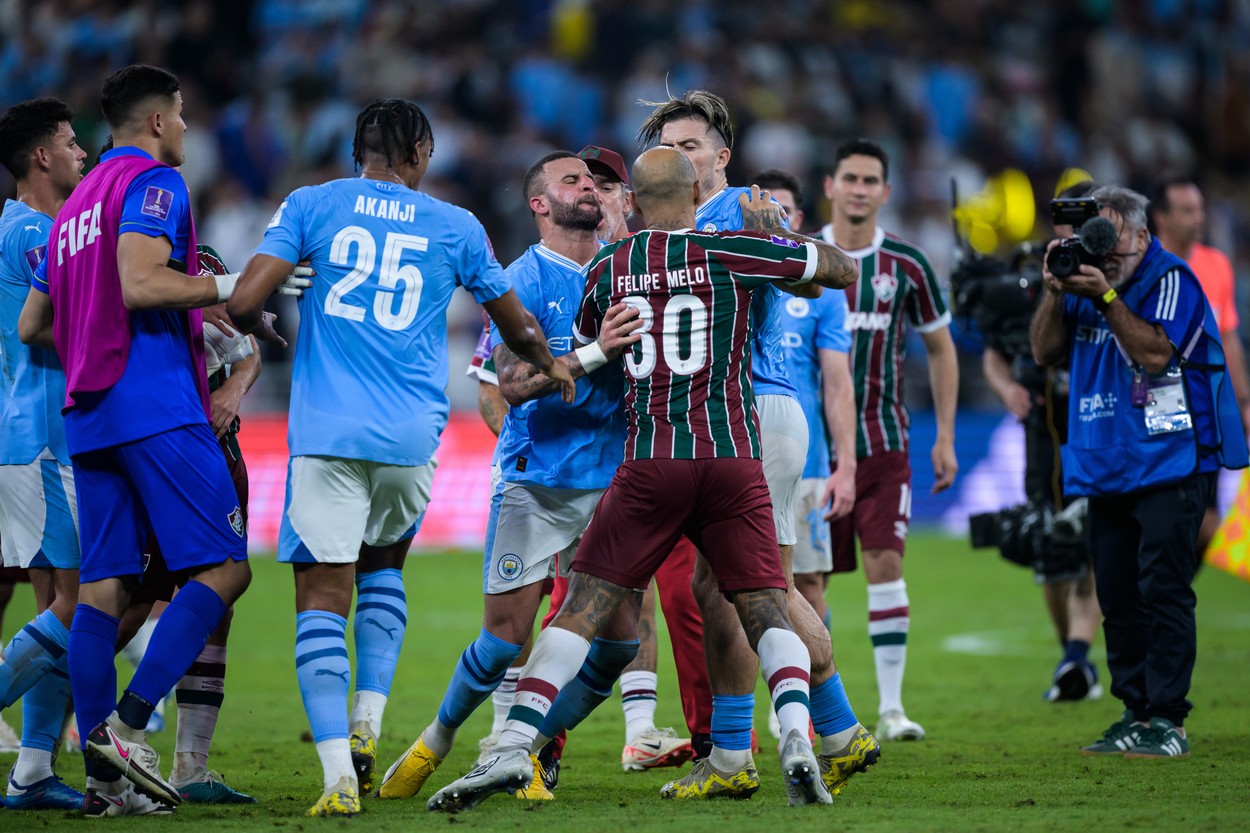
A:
(997, 757)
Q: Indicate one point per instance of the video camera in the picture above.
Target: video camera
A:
(1034, 535)
(1094, 240)
(997, 296)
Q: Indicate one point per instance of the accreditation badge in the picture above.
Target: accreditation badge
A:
(1167, 406)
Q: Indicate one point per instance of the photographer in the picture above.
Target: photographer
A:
(1151, 419)
(1038, 397)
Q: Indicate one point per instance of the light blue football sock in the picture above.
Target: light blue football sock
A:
(732, 715)
(31, 654)
(479, 671)
(378, 628)
(323, 671)
(831, 710)
(43, 708)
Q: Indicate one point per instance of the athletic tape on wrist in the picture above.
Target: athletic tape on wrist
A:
(591, 356)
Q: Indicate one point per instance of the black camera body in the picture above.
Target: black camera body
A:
(1090, 246)
(999, 297)
(1035, 536)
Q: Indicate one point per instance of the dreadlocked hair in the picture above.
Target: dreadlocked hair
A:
(695, 104)
(390, 128)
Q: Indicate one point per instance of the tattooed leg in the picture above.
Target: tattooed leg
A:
(761, 610)
(589, 605)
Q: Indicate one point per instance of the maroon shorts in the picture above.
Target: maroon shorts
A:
(157, 584)
(882, 510)
(12, 575)
(721, 505)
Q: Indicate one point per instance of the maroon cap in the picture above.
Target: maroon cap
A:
(604, 161)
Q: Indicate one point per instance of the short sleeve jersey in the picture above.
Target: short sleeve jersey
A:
(545, 441)
(896, 287)
(157, 390)
(370, 367)
(723, 212)
(810, 325)
(32, 384)
(689, 391)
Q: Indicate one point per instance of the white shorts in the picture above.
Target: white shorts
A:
(528, 527)
(812, 553)
(783, 435)
(333, 505)
(39, 515)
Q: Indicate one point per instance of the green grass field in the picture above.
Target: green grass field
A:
(997, 758)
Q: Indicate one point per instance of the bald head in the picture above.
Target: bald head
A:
(664, 182)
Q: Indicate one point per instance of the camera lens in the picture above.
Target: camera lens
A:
(1063, 262)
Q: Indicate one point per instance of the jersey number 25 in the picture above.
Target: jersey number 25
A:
(358, 242)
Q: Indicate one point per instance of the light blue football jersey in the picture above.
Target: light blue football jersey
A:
(371, 358)
(32, 387)
(768, 364)
(547, 442)
(808, 326)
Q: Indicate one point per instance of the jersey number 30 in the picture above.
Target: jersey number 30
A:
(355, 242)
(683, 336)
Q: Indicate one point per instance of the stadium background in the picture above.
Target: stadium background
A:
(985, 91)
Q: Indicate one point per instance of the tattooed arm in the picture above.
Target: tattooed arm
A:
(491, 405)
(834, 269)
(520, 381)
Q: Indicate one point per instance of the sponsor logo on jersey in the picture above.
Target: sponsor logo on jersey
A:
(236, 521)
(884, 286)
(867, 321)
(510, 566)
(784, 241)
(157, 202)
(797, 307)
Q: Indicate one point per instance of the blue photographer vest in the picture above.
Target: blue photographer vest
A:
(1110, 451)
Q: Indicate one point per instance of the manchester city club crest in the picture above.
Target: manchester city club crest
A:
(710, 228)
(236, 521)
(884, 286)
(510, 566)
(797, 307)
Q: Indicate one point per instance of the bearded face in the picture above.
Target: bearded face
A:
(583, 213)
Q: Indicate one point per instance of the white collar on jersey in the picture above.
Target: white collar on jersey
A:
(553, 255)
(878, 237)
(712, 198)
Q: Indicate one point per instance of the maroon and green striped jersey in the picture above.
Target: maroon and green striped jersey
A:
(896, 286)
(689, 377)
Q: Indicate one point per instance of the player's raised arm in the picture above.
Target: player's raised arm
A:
(520, 331)
(834, 269)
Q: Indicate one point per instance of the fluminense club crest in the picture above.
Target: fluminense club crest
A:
(884, 286)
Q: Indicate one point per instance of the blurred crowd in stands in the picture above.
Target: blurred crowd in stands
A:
(1128, 90)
